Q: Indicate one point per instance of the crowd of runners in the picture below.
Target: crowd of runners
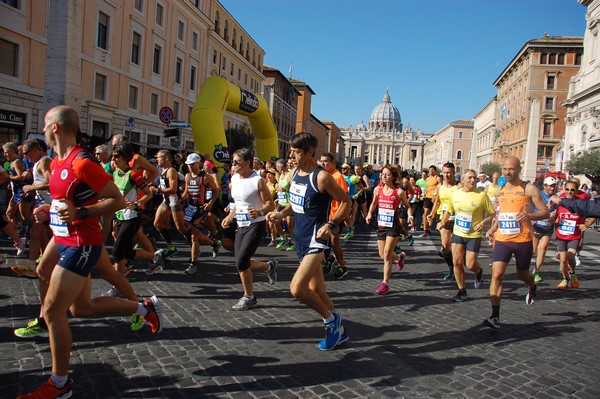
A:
(65, 210)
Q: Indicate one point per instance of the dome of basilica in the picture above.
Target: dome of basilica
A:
(385, 117)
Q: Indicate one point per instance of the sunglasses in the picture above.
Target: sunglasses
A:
(98, 153)
(236, 163)
(571, 189)
(115, 156)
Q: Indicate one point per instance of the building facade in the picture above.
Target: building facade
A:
(334, 142)
(452, 143)
(583, 102)
(530, 117)
(118, 63)
(484, 135)
(385, 140)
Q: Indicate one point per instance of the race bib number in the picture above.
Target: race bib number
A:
(385, 217)
(543, 223)
(297, 197)
(243, 217)
(281, 197)
(445, 209)
(59, 228)
(190, 211)
(508, 223)
(209, 195)
(163, 183)
(463, 223)
(567, 227)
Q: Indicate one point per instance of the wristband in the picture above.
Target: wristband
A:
(335, 228)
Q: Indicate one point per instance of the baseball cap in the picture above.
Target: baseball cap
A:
(193, 158)
(271, 170)
(366, 165)
(550, 180)
(346, 166)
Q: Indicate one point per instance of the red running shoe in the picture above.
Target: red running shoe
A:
(400, 261)
(154, 316)
(49, 391)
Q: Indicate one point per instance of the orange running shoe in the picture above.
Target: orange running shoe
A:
(49, 391)
(154, 316)
(563, 284)
(574, 281)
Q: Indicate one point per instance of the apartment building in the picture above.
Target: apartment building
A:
(452, 143)
(485, 135)
(118, 63)
(530, 118)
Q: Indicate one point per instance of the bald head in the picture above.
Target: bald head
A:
(511, 168)
(65, 116)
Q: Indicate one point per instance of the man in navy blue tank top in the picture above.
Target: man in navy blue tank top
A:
(311, 192)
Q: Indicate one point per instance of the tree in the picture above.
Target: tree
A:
(491, 167)
(239, 137)
(588, 164)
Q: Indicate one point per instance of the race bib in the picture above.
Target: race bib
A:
(163, 183)
(385, 217)
(543, 223)
(59, 228)
(297, 197)
(444, 209)
(567, 227)
(209, 195)
(463, 223)
(243, 217)
(508, 223)
(190, 211)
(281, 197)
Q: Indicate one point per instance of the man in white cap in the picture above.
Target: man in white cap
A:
(483, 181)
(542, 229)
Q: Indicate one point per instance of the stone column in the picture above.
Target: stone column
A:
(530, 148)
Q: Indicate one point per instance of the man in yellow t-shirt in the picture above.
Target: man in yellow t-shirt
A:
(472, 211)
(433, 182)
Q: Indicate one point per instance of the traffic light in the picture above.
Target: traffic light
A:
(171, 133)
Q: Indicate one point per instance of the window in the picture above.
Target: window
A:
(12, 3)
(103, 21)
(231, 70)
(99, 129)
(135, 48)
(578, 59)
(180, 30)
(178, 65)
(197, 3)
(195, 41)
(215, 57)
(153, 139)
(549, 104)
(545, 151)
(160, 14)
(543, 58)
(239, 74)
(550, 82)
(8, 58)
(224, 63)
(100, 87)
(139, 5)
(226, 31)
(561, 59)
(460, 135)
(193, 78)
(459, 154)
(217, 27)
(133, 97)
(175, 109)
(154, 104)
(547, 129)
(552, 59)
(156, 57)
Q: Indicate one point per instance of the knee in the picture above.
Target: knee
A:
(82, 311)
(297, 290)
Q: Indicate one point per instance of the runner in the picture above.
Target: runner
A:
(542, 229)
(433, 182)
(387, 199)
(512, 234)
(311, 191)
(75, 183)
(20, 204)
(283, 200)
(252, 202)
(361, 198)
(473, 211)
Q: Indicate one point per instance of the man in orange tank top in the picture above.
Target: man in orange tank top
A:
(512, 234)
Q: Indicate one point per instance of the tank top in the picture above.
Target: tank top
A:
(246, 195)
(445, 196)
(38, 178)
(282, 192)
(129, 190)
(510, 202)
(387, 208)
(310, 208)
(567, 224)
(196, 189)
(164, 184)
(544, 223)
(17, 186)
(64, 184)
(432, 184)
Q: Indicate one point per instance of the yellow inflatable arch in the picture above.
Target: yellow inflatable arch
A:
(216, 97)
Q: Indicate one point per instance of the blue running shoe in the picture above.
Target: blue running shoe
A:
(332, 333)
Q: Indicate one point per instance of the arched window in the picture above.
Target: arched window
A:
(459, 154)
(217, 27)
(226, 31)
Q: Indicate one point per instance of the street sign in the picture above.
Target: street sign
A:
(165, 114)
(130, 122)
(179, 124)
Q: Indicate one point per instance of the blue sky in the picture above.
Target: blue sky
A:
(437, 58)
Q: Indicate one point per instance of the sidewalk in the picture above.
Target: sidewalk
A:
(413, 343)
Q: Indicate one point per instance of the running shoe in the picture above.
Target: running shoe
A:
(50, 391)
(216, 247)
(291, 247)
(577, 261)
(563, 284)
(537, 277)
(112, 292)
(492, 322)
(340, 273)
(479, 279)
(282, 244)
(349, 234)
(449, 277)
(21, 246)
(383, 288)
(170, 251)
(328, 265)
(272, 270)
(333, 333)
(245, 303)
(34, 329)
(158, 263)
(154, 316)
(400, 261)
(531, 295)
(461, 296)
(137, 322)
(411, 240)
(272, 244)
(191, 269)
(424, 235)
(574, 281)
(27, 270)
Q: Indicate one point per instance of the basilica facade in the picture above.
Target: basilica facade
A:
(385, 140)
